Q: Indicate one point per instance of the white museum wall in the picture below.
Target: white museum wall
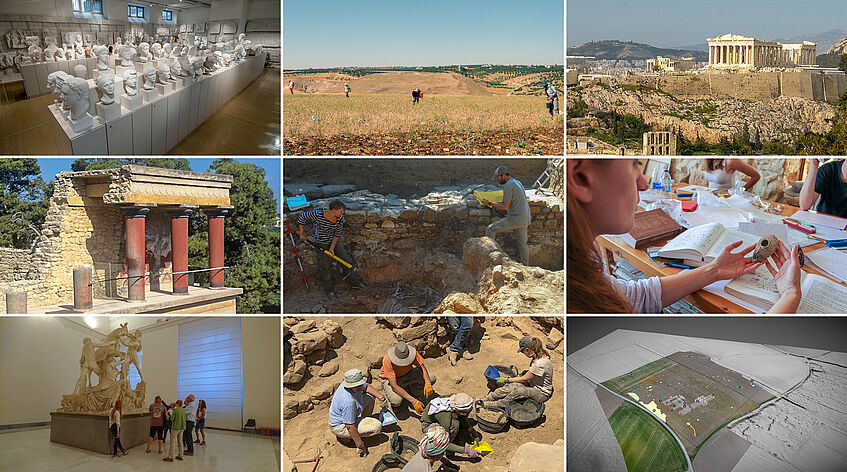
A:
(261, 367)
(197, 15)
(258, 9)
(230, 10)
(36, 7)
(39, 362)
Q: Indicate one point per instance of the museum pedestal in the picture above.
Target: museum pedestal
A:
(108, 112)
(131, 102)
(89, 142)
(150, 95)
(119, 70)
(164, 89)
(91, 432)
(176, 84)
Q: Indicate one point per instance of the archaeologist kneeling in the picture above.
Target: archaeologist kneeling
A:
(404, 377)
(536, 383)
(349, 413)
(452, 414)
(518, 217)
(328, 227)
(432, 448)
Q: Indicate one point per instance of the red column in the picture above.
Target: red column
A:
(216, 244)
(135, 249)
(179, 247)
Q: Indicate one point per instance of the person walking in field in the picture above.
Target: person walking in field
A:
(552, 98)
(291, 86)
(416, 95)
(346, 90)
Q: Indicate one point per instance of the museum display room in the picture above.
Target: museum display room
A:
(62, 377)
(114, 77)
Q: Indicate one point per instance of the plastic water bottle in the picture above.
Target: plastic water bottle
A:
(657, 180)
(667, 184)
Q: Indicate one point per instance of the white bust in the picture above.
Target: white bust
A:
(177, 50)
(166, 49)
(156, 48)
(51, 51)
(185, 67)
(176, 69)
(144, 52)
(75, 91)
(126, 53)
(227, 57)
(241, 38)
(106, 86)
(118, 41)
(149, 77)
(102, 54)
(81, 71)
(34, 51)
(240, 53)
(130, 82)
(219, 60)
(164, 74)
(209, 64)
(79, 47)
(55, 80)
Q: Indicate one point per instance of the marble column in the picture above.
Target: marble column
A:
(135, 217)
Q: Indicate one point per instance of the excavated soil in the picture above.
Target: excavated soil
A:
(308, 433)
(528, 141)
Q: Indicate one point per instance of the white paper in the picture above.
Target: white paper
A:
(831, 261)
(649, 196)
(825, 232)
(822, 296)
(780, 230)
(820, 219)
(693, 188)
(717, 288)
(728, 217)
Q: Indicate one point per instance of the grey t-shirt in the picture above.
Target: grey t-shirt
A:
(518, 208)
(418, 464)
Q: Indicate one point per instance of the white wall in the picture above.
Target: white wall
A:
(39, 362)
(258, 9)
(260, 357)
(230, 10)
(197, 15)
(36, 7)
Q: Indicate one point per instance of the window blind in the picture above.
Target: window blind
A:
(209, 367)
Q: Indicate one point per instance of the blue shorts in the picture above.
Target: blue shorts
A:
(201, 424)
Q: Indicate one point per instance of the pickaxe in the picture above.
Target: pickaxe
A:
(490, 206)
(315, 459)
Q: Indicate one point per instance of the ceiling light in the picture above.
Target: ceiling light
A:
(91, 321)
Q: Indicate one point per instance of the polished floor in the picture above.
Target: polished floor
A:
(249, 124)
(30, 450)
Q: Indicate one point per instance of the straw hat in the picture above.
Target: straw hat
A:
(402, 355)
(353, 378)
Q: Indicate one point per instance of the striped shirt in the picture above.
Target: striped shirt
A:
(325, 230)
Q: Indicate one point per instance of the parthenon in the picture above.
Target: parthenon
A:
(736, 51)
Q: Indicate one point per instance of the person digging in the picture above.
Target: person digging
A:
(351, 408)
(329, 225)
(518, 217)
(405, 377)
(452, 414)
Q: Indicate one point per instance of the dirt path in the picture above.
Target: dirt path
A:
(529, 141)
(304, 434)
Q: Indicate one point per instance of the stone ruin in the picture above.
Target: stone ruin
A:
(430, 254)
(316, 349)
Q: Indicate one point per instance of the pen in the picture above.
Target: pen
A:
(815, 237)
(801, 228)
(681, 266)
(802, 223)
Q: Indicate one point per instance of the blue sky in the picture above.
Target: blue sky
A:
(50, 166)
(671, 23)
(333, 33)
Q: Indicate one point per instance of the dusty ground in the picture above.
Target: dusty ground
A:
(435, 83)
(308, 432)
(529, 141)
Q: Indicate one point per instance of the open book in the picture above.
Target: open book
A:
(703, 244)
(820, 294)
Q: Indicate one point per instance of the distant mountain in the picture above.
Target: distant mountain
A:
(628, 50)
(825, 40)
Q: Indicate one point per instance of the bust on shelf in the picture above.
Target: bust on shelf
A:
(75, 91)
(106, 87)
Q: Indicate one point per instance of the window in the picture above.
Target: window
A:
(134, 378)
(135, 12)
(209, 367)
(167, 15)
(87, 6)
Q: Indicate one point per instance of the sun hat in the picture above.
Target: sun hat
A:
(525, 343)
(435, 441)
(402, 354)
(501, 170)
(353, 378)
(461, 402)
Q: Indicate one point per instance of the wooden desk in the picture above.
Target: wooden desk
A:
(9, 79)
(706, 301)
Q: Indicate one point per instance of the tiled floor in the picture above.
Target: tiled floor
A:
(31, 450)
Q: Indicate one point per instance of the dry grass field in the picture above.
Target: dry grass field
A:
(331, 124)
(646, 445)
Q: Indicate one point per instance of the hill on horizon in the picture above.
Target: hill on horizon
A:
(614, 49)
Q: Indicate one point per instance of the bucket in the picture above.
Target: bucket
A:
(386, 417)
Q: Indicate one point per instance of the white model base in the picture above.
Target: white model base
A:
(176, 84)
(132, 102)
(82, 124)
(108, 112)
(150, 95)
(165, 89)
(119, 70)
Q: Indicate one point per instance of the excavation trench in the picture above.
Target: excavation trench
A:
(410, 251)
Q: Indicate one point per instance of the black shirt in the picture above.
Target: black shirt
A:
(833, 190)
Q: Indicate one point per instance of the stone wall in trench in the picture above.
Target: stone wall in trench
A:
(389, 236)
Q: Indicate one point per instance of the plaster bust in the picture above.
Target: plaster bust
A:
(130, 82)
(75, 91)
(227, 58)
(102, 55)
(51, 51)
(79, 47)
(81, 71)
(106, 87)
(69, 54)
(177, 50)
(197, 65)
(164, 74)
(241, 38)
(144, 52)
(156, 48)
(166, 49)
(149, 77)
(176, 69)
(185, 67)
(219, 60)
(55, 80)
(118, 41)
(126, 53)
(209, 64)
(240, 53)
(34, 51)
